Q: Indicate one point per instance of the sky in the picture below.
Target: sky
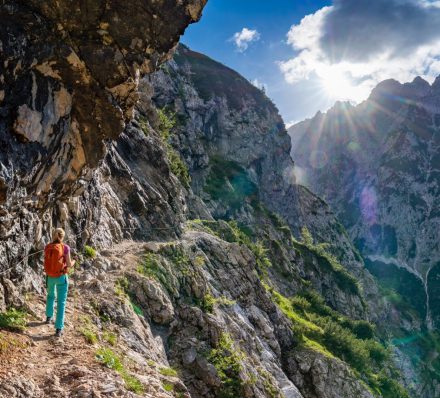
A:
(308, 54)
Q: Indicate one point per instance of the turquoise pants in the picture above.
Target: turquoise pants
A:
(61, 285)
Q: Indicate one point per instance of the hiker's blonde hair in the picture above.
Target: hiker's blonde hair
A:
(58, 234)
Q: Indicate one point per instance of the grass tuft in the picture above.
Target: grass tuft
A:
(89, 251)
(13, 319)
(168, 372)
(112, 361)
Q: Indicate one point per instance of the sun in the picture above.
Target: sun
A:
(337, 85)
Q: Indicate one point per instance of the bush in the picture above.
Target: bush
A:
(389, 387)
(260, 253)
(208, 302)
(121, 287)
(13, 319)
(326, 260)
(227, 361)
(89, 251)
(342, 343)
(167, 386)
(88, 330)
(178, 167)
(322, 329)
(90, 336)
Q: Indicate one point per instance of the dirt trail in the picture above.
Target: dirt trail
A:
(37, 364)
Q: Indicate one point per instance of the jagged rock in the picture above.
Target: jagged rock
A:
(320, 378)
(19, 387)
(150, 296)
(63, 100)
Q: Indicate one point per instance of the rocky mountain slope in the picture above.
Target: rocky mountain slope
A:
(378, 166)
(204, 270)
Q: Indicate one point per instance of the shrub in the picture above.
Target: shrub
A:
(390, 388)
(167, 386)
(260, 253)
(227, 361)
(88, 330)
(155, 267)
(208, 302)
(328, 261)
(121, 287)
(167, 122)
(13, 319)
(89, 251)
(322, 329)
(178, 167)
(89, 335)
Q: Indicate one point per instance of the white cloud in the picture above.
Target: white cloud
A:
(365, 43)
(244, 38)
(260, 85)
(290, 123)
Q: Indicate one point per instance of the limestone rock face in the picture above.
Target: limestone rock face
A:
(69, 77)
(68, 84)
(224, 127)
(377, 165)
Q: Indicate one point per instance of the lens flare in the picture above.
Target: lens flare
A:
(368, 203)
(318, 159)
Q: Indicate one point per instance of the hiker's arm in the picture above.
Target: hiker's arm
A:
(69, 262)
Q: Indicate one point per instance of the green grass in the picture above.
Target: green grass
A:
(7, 342)
(167, 122)
(227, 359)
(110, 337)
(88, 330)
(112, 361)
(168, 372)
(208, 302)
(167, 386)
(322, 329)
(89, 251)
(122, 287)
(153, 267)
(13, 319)
(326, 260)
(90, 335)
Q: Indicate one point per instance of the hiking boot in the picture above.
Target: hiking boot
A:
(58, 332)
(48, 320)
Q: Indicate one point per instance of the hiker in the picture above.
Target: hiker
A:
(57, 262)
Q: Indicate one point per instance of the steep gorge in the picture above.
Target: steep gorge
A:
(377, 165)
(210, 256)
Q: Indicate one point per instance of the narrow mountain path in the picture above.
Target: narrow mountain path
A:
(36, 364)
